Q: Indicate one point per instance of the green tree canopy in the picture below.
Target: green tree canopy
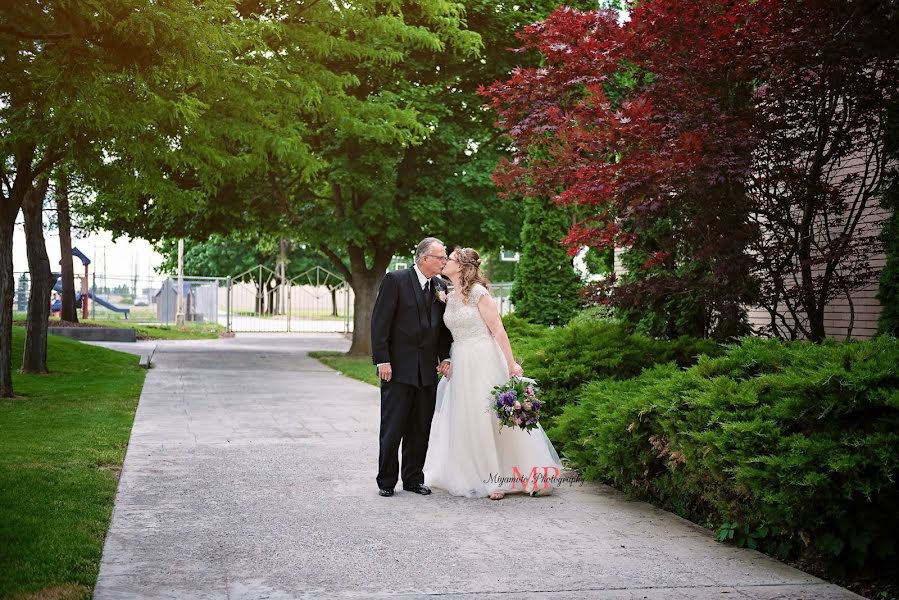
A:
(100, 85)
(394, 145)
(222, 256)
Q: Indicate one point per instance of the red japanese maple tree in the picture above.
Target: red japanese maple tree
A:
(644, 123)
(654, 126)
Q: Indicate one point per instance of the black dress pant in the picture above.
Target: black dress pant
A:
(406, 414)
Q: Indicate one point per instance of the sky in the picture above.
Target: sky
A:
(122, 257)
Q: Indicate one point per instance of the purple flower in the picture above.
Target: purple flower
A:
(536, 404)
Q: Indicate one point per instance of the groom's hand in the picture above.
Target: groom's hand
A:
(384, 371)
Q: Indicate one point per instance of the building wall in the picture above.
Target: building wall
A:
(864, 310)
(864, 304)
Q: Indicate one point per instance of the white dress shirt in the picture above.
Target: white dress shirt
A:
(422, 280)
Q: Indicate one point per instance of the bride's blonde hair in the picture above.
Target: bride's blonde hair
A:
(470, 271)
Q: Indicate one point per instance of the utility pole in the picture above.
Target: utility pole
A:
(105, 282)
(134, 280)
(179, 315)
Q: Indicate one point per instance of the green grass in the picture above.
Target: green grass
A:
(188, 331)
(357, 367)
(62, 444)
(154, 331)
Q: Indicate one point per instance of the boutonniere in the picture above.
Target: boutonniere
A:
(440, 295)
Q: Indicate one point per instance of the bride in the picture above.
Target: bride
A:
(468, 454)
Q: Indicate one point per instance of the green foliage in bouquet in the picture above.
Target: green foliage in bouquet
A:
(792, 448)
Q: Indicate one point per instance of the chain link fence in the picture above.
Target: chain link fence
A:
(138, 299)
(312, 303)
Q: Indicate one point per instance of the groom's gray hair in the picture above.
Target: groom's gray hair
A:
(424, 247)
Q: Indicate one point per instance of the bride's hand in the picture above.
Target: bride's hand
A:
(515, 370)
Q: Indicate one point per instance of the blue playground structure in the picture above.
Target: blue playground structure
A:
(79, 296)
(57, 304)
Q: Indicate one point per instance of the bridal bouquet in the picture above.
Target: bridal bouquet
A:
(517, 403)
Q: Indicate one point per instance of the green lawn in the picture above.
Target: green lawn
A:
(188, 331)
(62, 444)
(357, 367)
(161, 331)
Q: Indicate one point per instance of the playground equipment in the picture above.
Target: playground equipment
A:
(83, 297)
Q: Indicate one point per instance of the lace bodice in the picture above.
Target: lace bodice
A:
(463, 319)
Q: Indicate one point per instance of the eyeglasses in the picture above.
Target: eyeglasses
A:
(440, 258)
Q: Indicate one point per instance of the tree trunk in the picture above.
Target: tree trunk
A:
(730, 323)
(9, 210)
(34, 359)
(365, 288)
(365, 282)
(8, 213)
(68, 311)
(816, 325)
(334, 302)
(271, 298)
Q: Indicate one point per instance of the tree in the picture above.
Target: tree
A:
(639, 123)
(831, 70)
(546, 288)
(67, 310)
(402, 151)
(683, 130)
(496, 269)
(34, 359)
(93, 83)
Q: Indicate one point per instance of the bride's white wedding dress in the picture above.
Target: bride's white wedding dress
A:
(468, 454)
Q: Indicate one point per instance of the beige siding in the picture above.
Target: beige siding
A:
(838, 314)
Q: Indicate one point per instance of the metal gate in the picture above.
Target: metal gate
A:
(316, 301)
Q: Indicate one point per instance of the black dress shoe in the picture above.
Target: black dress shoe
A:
(385, 493)
(418, 489)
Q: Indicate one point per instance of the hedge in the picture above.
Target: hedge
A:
(563, 359)
(790, 447)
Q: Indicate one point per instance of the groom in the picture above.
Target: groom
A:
(409, 344)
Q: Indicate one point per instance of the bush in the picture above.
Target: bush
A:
(565, 358)
(546, 287)
(789, 447)
(521, 331)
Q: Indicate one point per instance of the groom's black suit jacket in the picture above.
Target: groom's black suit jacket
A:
(401, 333)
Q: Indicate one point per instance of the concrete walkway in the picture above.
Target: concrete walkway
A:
(251, 474)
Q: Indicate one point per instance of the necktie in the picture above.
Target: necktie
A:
(425, 290)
